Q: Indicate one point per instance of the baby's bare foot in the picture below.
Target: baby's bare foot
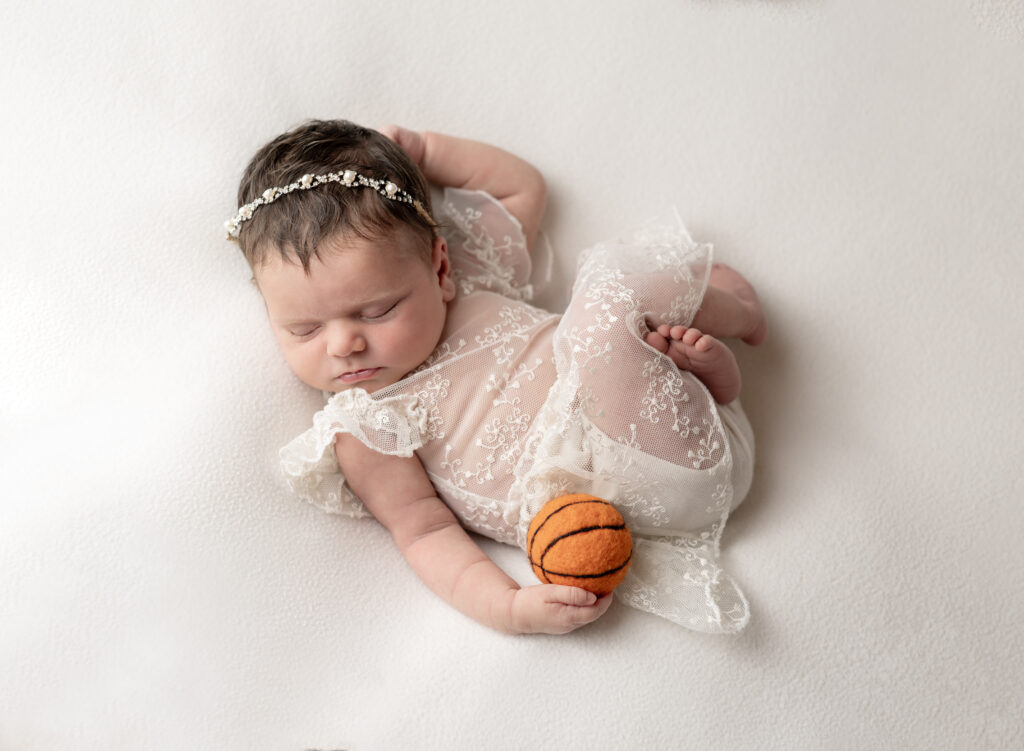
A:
(701, 354)
(742, 316)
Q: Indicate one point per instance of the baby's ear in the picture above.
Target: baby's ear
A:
(442, 267)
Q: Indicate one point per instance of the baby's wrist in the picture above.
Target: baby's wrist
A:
(509, 620)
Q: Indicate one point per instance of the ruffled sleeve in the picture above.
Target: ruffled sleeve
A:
(486, 245)
(396, 425)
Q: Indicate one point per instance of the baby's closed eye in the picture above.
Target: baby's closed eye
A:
(379, 312)
(303, 331)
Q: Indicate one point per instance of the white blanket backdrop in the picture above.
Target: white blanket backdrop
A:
(860, 160)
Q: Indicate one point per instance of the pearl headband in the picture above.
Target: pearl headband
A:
(350, 178)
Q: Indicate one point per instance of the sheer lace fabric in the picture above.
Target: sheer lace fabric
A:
(517, 406)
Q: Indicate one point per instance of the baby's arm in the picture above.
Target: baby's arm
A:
(461, 163)
(398, 492)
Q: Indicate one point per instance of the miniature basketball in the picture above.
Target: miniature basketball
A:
(580, 541)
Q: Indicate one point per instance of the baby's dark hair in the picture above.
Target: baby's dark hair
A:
(294, 225)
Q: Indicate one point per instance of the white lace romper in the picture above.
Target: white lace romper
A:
(517, 406)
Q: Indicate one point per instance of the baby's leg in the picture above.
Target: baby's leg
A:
(730, 307)
(701, 354)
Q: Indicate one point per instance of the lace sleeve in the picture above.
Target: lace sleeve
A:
(396, 426)
(486, 244)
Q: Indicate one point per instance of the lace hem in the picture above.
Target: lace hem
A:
(396, 425)
(680, 581)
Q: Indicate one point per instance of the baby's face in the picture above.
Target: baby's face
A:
(368, 313)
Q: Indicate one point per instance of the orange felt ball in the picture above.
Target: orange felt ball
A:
(580, 541)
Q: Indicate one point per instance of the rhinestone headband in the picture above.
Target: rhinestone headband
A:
(348, 177)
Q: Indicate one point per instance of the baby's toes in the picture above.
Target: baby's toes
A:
(705, 343)
(692, 336)
(677, 332)
(658, 341)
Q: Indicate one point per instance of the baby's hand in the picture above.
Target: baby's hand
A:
(409, 140)
(555, 609)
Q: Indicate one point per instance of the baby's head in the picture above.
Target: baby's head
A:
(335, 223)
(293, 225)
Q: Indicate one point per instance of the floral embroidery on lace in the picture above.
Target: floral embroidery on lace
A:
(515, 323)
(429, 394)
(490, 251)
(445, 351)
(663, 395)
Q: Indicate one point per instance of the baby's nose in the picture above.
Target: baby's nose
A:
(344, 340)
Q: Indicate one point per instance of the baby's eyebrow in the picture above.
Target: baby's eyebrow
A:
(291, 323)
(389, 296)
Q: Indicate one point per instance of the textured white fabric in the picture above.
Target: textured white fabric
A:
(517, 406)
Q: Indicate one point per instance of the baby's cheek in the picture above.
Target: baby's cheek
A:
(301, 364)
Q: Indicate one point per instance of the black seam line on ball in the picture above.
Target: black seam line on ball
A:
(556, 511)
(572, 534)
(610, 571)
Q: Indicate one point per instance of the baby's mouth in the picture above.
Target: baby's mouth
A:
(354, 376)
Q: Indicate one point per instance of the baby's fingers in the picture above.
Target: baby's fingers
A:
(575, 607)
(592, 612)
(555, 609)
(409, 140)
(569, 595)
